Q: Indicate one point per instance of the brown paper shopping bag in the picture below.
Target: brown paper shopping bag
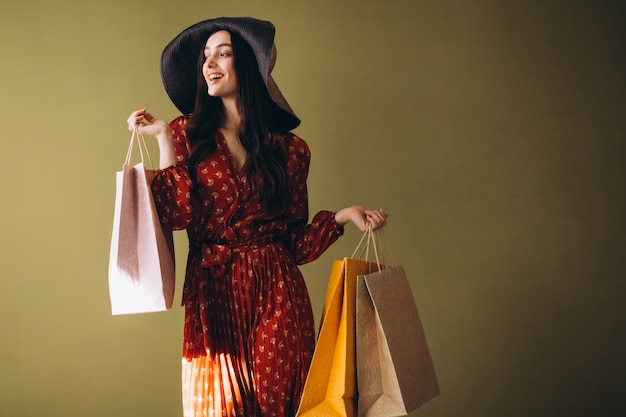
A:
(330, 389)
(395, 371)
(141, 262)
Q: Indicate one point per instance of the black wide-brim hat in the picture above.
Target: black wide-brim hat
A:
(180, 57)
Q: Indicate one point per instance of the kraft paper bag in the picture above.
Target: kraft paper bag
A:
(395, 371)
(330, 389)
(141, 262)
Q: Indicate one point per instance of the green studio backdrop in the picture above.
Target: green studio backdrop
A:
(492, 132)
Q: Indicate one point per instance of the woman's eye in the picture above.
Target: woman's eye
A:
(218, 55)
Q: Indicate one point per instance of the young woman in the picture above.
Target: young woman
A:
(235, 178)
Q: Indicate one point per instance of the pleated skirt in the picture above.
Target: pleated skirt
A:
(248, 337)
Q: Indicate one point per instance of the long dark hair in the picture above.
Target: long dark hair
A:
(266, 165)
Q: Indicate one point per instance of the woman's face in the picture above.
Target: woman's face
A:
(219, 66)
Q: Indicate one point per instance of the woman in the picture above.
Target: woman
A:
(235, 178)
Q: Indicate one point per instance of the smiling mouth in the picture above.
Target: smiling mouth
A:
(215, 76)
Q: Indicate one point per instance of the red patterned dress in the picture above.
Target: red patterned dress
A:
(249, 331)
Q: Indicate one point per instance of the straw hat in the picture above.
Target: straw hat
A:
(180, 57)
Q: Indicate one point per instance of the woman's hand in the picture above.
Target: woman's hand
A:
(148, 125)
(362, 217)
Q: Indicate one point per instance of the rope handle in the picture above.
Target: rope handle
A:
(374, 240)
(143, 148)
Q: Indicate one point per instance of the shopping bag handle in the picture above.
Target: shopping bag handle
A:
(374, 240)
(143, 148)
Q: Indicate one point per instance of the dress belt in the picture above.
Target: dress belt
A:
(214, 254)
(216, 257)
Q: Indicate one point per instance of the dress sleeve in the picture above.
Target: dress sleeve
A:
(171, 186)
(307, 241)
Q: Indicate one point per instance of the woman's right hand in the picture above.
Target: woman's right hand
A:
(146, 124)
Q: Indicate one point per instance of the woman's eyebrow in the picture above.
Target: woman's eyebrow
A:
(217, 46)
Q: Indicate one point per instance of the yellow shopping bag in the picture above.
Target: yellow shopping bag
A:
(330, 389)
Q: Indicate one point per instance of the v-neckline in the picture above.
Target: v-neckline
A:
(238, 171)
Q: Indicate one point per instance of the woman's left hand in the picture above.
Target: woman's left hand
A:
(362, 217)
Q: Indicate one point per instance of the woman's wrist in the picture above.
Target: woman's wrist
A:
(166, 149)
(342, 217)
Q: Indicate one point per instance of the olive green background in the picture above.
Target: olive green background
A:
(493, 132)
